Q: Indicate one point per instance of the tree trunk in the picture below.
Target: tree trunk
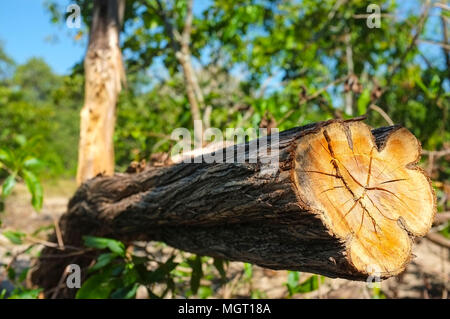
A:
(343, 201)
(193, 90)
(184, 58)
(104, 74)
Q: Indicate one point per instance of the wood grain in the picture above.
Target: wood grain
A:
(343, 199)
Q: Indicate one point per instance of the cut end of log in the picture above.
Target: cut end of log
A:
(368, 191)
(345, 202)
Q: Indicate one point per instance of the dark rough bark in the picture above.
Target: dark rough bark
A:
(222, 209)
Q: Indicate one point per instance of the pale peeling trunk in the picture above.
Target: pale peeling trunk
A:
(104, 74)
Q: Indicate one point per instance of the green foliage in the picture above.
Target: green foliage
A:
(377, 293)
(35, 188)
(8, 185)
(37, 104)
(310, 284)
(115, 246)
(363, 102)
(103, 260)
(18, 164)
(255, 60)
(36, 80)
(117, 274)
(446, 230)
(197, 273)
(248, 271)
(6, 65)
(299, 44)
(145, 121)
(17, 276)
(14, 237)
(99, 286)
(23, 293)
(219, 263)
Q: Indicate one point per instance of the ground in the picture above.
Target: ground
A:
(427, 276)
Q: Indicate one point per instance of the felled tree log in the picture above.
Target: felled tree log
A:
(343, 202)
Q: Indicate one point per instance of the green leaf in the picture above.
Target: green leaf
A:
(102, 261)
(152, 295)
(248, 270)
(25, 294)
(102, 243)
(128, 292)
(218, 263)
(311, 284)
(292, 282)
(435, 81)
(377, 293)
(130, 275)
(6, 156)
(23, 275)
(20, 139)
(14, 237)
(293, 277)
(12, 274)
(197, 273)
(42, 229)
(160, 274)
(363, 102)
(35, 188)
(33, 163)
(205, 292)
(8, 185)
(98, 286)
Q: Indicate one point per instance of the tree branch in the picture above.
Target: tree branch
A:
(180, 46)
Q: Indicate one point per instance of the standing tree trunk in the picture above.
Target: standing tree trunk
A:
(104, 74)
(344, 201)
(180, 45)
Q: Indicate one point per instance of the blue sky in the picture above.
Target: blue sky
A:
(26, 31)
